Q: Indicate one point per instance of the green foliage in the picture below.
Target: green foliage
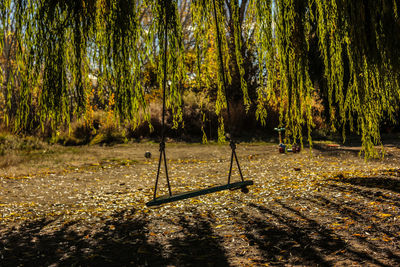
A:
(9, 142)
(262, 11)
(167, 15)
(118, 34)
(361, 37)
(367, 36)
(57, 44)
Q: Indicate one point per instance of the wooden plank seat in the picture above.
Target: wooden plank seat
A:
(195, 193)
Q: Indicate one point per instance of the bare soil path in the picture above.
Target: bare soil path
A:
(85, 206)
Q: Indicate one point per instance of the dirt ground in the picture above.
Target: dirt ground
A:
(85, 206)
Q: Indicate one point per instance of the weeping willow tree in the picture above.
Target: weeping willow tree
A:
(51, 40)
(210, 18)
(358, 43)
(59, 43)
(362, 37)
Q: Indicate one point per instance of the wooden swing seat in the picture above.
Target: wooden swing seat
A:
(195, 193)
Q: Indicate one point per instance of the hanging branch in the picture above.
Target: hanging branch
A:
(56, 44)
(238, 51)
(366, 35)
(118, 38)
(209, 22)
(296, 86)
(357, 43)
(260, 13)
(176, 73)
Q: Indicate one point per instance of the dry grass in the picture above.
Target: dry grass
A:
(56, 159)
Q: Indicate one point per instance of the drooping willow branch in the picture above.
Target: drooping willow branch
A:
(209, 21)
(357, 43)
(56, 44)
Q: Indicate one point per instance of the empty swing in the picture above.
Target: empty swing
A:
(189, 194)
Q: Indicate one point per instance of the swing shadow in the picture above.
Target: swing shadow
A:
(279, 233)
(200, 245)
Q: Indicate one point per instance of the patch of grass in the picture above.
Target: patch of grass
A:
(108, 138)
(102, 128)
(16, 149)
(10, 142)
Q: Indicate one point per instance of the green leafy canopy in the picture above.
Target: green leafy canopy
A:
(58, 43)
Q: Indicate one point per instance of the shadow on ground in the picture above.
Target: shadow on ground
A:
(276, 234)
(378, 182)
(121, 241)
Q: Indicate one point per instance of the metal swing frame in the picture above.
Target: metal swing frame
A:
(180, 196)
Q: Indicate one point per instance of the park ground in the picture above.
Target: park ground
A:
(85, 206)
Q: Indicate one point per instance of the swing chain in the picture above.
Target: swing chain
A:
(232, 144)
(162, 146)
(162, 142)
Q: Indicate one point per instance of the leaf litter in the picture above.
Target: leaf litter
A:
(322, 208)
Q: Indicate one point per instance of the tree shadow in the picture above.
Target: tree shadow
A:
(123, 240)
(358, 254)
(119, 242)
(354, 149)
(280, 234)
(308, 242)
(356, 213)
(366, 193)
(336, 151)
(282, 239)
(379, 182)
(281, 242)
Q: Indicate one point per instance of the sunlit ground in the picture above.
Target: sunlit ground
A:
(86, 206)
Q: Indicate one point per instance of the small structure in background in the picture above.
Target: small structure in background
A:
(147, 154)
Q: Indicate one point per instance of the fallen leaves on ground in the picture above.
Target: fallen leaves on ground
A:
(325, 208)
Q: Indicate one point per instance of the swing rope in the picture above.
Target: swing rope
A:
(232, 143)
(237, 185)
(162, 143)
